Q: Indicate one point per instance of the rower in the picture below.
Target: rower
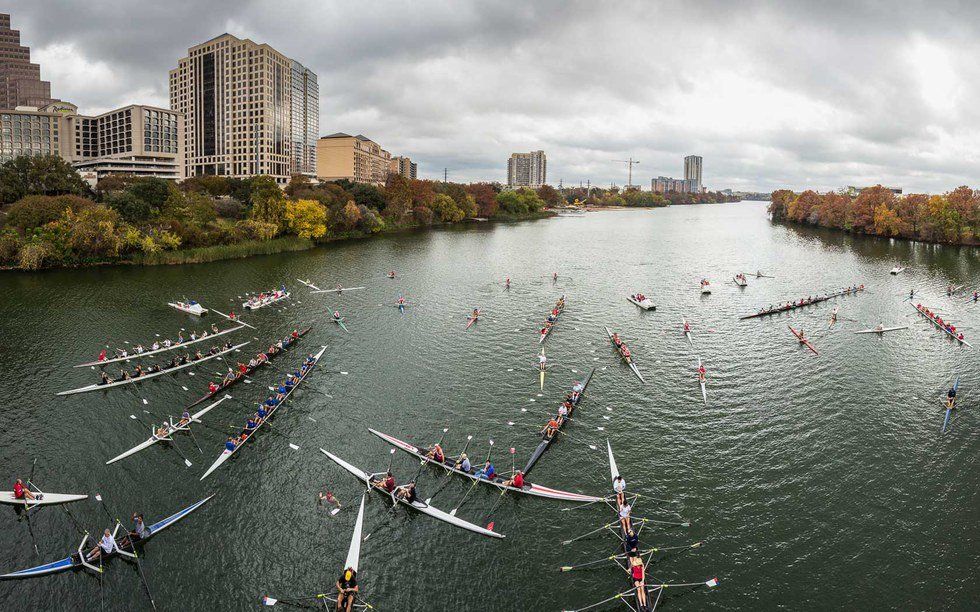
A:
(487, 472)
(542, 360)
(619, 486)
(554, 277)
(22, 491)
(336, 315)
(391, 274)
(231, 444)
(436, 453)
(463, 463)
(701, 372)
(563, 411)
(140, 530)
(102, 356)
(638, 575)
(105, 378)
(328, 497)
(550, 429)
(631, 542)
(387, 483)
(476, 313)
(347, 590)
(507, 284)
(185, 418)
(951, 397)
(105, 547)
(517, 481)
(162, 431)
(407, 493)
(624, 515)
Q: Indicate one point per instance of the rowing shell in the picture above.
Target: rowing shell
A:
(704, 392)
(816, 300)
(687, 332)
(473, 320)
(548, 331)
(950, 408)
(799, 336)
(192, 308)
(529, 488)
(338, 291)
(416, 505)
(940, 327)
(629, 361)
(226, 454)
(248, 370)
(137, 379)
(545, 442)
(542, 367)
(614, 474)
(308, 284)
(172, 347)
(269, 301)
(75, 560)
(47, 499)
(881, 331)
(340, 322)
(172, 428)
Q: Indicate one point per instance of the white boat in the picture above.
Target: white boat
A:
(687, 333)
(741, 282)
(875, 330)
(339, 290)
(897, 270)
(164, 349)
(704, 392)
(172, 428)
(190, 307)
(629, 362)
(255, 303)
(44, 499)
(646, 303)
(308, 284)
(415, 505)
(529, 488)
(129, 381)
(226, 454)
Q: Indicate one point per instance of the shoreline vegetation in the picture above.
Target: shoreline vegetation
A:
(951, 218)
(50, 218)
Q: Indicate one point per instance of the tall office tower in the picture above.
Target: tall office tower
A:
(527, 169)
(305, 119)
(237, 100)
(20, 80)
(692, 172)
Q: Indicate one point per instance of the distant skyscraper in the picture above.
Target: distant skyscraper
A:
(692, 171)
(305, 113)
(527, 169)
(20, 80)
(238, 98)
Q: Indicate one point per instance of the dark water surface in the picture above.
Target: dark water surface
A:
(818, 482)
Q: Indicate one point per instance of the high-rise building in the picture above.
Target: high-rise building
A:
(665, 184)
(305, 113)
(237, 100)
(20, 80)
(692, 171)
(404, 166)
(527, 169)
(136, 139)
(355, 158)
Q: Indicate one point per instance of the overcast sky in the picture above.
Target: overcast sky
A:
(771, 94)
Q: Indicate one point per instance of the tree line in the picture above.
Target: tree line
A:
(49, 217)
(952, 217)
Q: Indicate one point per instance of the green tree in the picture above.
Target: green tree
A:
(445, 208)
(38, 175)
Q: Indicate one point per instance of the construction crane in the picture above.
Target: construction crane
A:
(630, 162)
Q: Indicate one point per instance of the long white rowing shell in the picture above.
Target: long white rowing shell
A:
(416, 505)
(171, 429)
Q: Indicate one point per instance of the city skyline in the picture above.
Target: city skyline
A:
(861, 105)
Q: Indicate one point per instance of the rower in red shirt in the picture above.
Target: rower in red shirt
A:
(517, 481)
(22, 492)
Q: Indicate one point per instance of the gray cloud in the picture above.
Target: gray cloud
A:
(798, 94)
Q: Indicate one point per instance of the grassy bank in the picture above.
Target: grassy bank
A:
(224, 251)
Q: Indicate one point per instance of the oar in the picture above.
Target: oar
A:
(476, 481)
(170, 437)
(27, 511)
(503, 490)
(236, 320)
(132, 547)
(594, 531)
(615, 597)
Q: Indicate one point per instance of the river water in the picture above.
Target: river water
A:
(817, 482)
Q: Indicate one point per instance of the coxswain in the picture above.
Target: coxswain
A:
(406, 492)
(487, 472)
(436, 453)
(463, 463)
(106, 546)
(105, 378)
(347, 590)
(21, 491)
(619, 486)
(517, 481)
(638, 575)
(328, 497)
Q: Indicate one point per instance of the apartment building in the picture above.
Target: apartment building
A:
(404, 166)
(527, 169)
(355, 158)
